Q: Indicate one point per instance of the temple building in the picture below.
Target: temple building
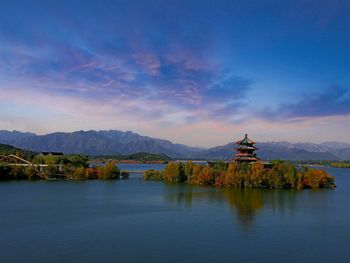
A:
(245, 152)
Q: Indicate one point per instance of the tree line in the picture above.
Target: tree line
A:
(341, 165)
(73, 167)
(282, 175)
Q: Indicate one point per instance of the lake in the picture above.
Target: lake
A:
(137, 221)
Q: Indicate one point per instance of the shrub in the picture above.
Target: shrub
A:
(109, 171)
(313, 178)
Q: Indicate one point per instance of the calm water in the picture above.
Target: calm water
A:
(136, 221)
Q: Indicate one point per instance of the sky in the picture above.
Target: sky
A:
(202, 73)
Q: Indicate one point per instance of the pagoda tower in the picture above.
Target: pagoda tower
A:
(245, 152)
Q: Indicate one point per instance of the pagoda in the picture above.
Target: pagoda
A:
(245, 152)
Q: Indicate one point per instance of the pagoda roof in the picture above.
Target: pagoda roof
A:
(254, 159)
(246, 140)
(245, 154)
(246, 157)
(245, 147)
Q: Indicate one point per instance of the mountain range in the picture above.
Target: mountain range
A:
(114, 142)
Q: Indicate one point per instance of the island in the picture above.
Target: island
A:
(245, 170)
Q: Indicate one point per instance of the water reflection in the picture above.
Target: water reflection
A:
(246, 204)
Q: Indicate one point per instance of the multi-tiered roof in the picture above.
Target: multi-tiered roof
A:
(245, 152)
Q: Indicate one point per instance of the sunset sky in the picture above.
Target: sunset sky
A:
(201, 73)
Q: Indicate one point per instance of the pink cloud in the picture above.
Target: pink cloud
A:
(149, 62)
(189, 60)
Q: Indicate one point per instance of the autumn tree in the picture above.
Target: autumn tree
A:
(313, 178)
(153, 175)
(109, 171)
(188, 170)
(174, 173)
(205, 176)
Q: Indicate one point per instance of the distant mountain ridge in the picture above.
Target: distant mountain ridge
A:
(274, 150)
(114, 142)
(14, 135)
(96, 143)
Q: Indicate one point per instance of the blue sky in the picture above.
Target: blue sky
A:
(196, 72)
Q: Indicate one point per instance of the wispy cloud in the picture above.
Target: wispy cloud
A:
(331, 102)
(158, 83)
(149, 62)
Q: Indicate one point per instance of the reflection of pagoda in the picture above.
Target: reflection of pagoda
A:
(246, 151)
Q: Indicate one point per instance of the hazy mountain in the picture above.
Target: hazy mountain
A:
(343, 154)
(298, 151)
(96, 143)
(9, 136)
(118, 142)
(335, 145)
(280, 150)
